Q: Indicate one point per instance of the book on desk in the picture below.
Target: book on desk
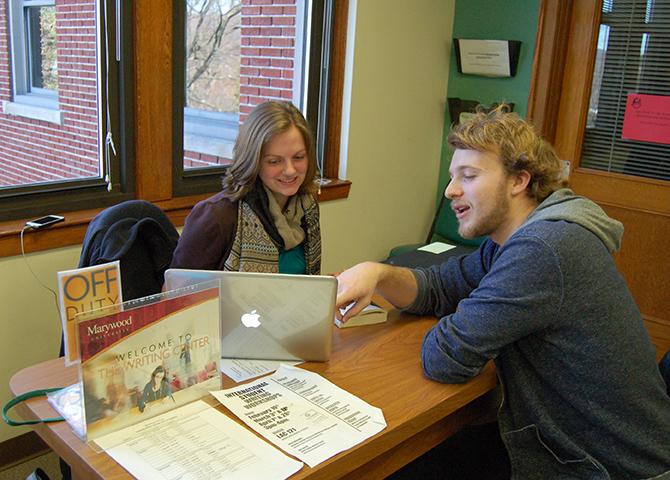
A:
(370, 315)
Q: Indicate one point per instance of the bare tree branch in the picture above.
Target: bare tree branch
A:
(211, 45)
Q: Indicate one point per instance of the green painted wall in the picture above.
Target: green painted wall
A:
(491, 20)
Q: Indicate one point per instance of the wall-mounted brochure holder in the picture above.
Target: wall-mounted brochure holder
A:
(488, 58)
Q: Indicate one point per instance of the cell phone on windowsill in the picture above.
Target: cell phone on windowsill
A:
(44, 221)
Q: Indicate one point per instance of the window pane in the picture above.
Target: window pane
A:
(238, 54)
(41, 40)
(35, 152)
(212, 81)
(633, 57)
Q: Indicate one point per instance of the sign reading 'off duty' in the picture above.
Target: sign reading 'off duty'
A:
(84, 290)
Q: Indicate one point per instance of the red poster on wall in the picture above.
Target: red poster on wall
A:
(647, 118)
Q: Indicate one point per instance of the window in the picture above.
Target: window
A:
(633, 56)
(211, 81)
(232, 55)
(138, 115)
(33, 54)
(58, 132)
(40, 54)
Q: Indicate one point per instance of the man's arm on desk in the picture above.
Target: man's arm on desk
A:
(360, 282)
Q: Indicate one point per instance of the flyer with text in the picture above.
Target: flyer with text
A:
(303, 413)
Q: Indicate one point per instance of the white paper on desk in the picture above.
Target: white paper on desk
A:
(303, 413)
(436, 247)
(195, 441)
(240, 369)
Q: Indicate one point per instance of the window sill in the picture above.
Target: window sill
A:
(36, 112)
(72, 230)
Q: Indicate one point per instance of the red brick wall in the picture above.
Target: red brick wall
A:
(268, 52)
(198, 160)
(37, 151)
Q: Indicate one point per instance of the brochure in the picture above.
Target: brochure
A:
(84, 290)
(159, 353)
(241, 369)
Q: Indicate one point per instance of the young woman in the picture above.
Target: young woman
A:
(266, 218)
(156, 388)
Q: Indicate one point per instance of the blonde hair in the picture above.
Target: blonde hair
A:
(516, 143)
(264, 122)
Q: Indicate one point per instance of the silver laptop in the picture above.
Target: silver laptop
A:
(270, 316)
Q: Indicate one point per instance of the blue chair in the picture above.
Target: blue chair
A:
(664, 367)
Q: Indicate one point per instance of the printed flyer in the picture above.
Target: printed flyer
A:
(148, 359)
(84, 290)
(303, 413)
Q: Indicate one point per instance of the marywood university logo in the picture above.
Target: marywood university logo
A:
(109, 327)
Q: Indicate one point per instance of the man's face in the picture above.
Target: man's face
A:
(480, 193)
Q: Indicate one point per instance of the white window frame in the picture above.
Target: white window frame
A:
(38, 103)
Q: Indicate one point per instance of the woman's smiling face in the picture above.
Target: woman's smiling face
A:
(284, 164)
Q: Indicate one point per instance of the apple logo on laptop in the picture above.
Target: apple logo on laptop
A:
(251, 320)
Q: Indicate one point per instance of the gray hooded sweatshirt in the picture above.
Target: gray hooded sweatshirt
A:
(583, 396)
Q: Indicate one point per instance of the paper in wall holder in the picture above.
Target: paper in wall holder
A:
(488, 58)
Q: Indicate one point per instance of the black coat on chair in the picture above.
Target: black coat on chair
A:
(141, 237)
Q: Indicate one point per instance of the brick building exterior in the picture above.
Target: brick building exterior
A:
(39, 151)
(267, 61)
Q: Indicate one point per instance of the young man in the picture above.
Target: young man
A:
(583, 397)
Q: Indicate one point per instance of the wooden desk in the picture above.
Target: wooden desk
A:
(378, 363)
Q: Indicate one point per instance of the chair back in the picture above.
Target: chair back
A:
(664, 367)
(140, 236)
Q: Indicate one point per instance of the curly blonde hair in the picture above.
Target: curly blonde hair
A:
(264, 122)
(516, 143)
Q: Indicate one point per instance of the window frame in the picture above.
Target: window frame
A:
(554, 70)
(149, 142)
(22, 89)
(314, 95)
(76, 194)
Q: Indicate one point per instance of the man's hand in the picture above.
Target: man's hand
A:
(355, 287)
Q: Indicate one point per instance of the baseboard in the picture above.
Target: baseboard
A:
(20, 449)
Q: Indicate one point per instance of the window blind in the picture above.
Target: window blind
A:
(633, 57)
